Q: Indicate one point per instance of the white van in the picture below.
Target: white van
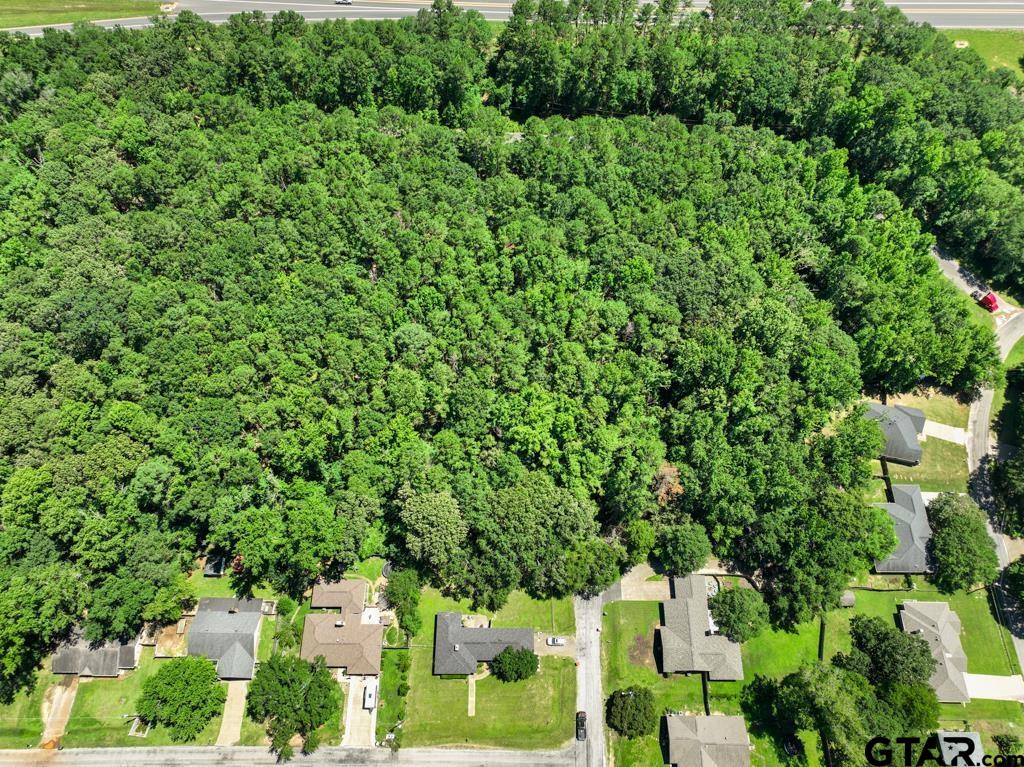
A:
(370, 695)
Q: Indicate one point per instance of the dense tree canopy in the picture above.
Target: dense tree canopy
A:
(739, 613)
(183, 696)
(964, 554)
(292, 697)
(302, 294)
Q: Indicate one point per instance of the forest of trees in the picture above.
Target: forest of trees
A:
(307, 293)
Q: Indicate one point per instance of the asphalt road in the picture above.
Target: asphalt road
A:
(214, 756)
(991, 14)
(589, 697)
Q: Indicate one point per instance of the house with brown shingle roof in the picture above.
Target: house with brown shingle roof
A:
(343, 642)
(341, 638)
(707, 741)
(348, 596)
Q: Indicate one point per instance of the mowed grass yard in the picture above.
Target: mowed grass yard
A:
(943, 467)
(25, 13)
(21, 720)
(104, 709)
(987, 644)
(627, 658)
(937, 406)
(998, 47)
(534, 714)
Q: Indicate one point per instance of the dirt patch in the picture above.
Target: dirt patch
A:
(641, 650)
(171, 644)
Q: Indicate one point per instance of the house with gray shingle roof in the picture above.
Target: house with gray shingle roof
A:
(458, 650)
(910, 523)
(688, 638)
(940, 628)
(225, 630)
(103, 660)
(901, 427)
(707, 741)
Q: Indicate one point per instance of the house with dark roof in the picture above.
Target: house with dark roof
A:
(707, 741)
(901, 427)
(343, 642)
(688, 637)
(940, 628)
(225, 631)
(349, 596)
(109, 659)
(458, 649)
(910, 523)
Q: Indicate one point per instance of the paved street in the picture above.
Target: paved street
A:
(980, 446)
(185, 756)
(589, 697)
(995, 14)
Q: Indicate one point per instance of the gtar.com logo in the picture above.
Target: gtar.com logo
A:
(949, 749)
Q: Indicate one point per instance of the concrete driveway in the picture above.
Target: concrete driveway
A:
(993, 687)
(541, 646)
(234, 711)
(642, 584)
(360, 724)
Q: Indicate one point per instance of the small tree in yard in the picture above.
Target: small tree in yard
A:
(964, 554)
(402, 592)
(184, 695)
(292, 696)
(513, 664)
(740, 614)
(630, 712)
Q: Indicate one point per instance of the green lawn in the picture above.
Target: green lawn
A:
(627, 658)
(943, 467)
(221, 587)
(24, 13)
(104, 709)
(988, 717)
(268, 626)
(253, 733)
(999, 47)
(535, 714)
(937, 406)
(21, 723)
(553, 616)
(876, 492)
(370, 569)
(390, 705)
(987, 644)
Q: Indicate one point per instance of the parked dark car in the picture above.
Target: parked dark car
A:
(581, 725)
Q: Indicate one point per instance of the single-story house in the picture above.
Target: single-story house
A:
(349, 596)
(109, 659)
(940, 628)
(225, 630)
(707, 741)
(458, 650)
(343, 642)
(688, 637)
(901, 426)
(910, 522)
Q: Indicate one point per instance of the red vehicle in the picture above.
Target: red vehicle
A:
(987, 299)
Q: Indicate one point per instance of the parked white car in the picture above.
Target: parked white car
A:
(555, 641)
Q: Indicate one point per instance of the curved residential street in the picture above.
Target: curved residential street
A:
(980, 444)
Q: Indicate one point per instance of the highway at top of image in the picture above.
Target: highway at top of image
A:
(995, 14)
